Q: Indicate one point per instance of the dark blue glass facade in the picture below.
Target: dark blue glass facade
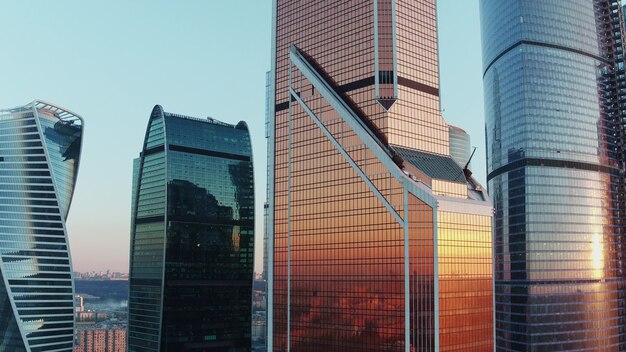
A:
(40, 147)
(555, 173)
(192, 237)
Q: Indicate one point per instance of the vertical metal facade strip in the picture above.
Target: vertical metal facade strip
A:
(165, 164)
(56, 193)
(140, 175)
(376, 76)
(395, 48)
(69, 205)
(289, 215)
(134, 216)
(493, 276)
(436, 275)
(6, 279)
(438, 51)
(135, 196)
(407, 273)
(270, 182)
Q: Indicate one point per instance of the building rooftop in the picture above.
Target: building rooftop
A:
(241, 125)
(61, 113)
(457, 128)
(438, 167)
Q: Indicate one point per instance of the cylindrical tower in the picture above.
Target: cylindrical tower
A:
(460, 145)
(554, 173)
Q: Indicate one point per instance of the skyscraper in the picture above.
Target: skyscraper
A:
(40, 147)
(460, 146)
(379, 240)
(554, 103)
(100, 339)
(192, 237)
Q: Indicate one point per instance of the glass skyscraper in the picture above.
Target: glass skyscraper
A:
(554, 102)
(378, 241)
(460, 146)
(40, 147)
(192, 237)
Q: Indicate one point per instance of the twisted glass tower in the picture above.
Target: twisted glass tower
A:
(192, 237)
(40, 147)
(554, 102)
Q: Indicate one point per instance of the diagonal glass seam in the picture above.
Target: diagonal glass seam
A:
(346, 113)
(346, 156)
(372, 143)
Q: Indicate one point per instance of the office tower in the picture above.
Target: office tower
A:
(192, 237)
(380, 241)
(40, 147)
(79, 303)
(268, 102)
(100, 339)
(460, 146)
(554, 104)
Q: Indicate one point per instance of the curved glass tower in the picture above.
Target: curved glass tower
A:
(460, 146)
(192, 237)
(553, 71)
(40, 147)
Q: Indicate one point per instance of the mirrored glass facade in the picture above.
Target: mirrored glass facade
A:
(460, 146)
(40, 147)
(378, 241)
(554, 103)
(192, 240)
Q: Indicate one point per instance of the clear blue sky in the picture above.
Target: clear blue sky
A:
(112, 61)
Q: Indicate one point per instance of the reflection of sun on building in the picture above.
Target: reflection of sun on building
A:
(465, 276)
(597, 255)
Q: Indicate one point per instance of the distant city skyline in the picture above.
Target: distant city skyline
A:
(114, 62)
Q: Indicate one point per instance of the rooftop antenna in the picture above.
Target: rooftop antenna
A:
(466, 171)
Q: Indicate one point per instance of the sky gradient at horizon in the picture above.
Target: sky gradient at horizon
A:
(112, 62)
